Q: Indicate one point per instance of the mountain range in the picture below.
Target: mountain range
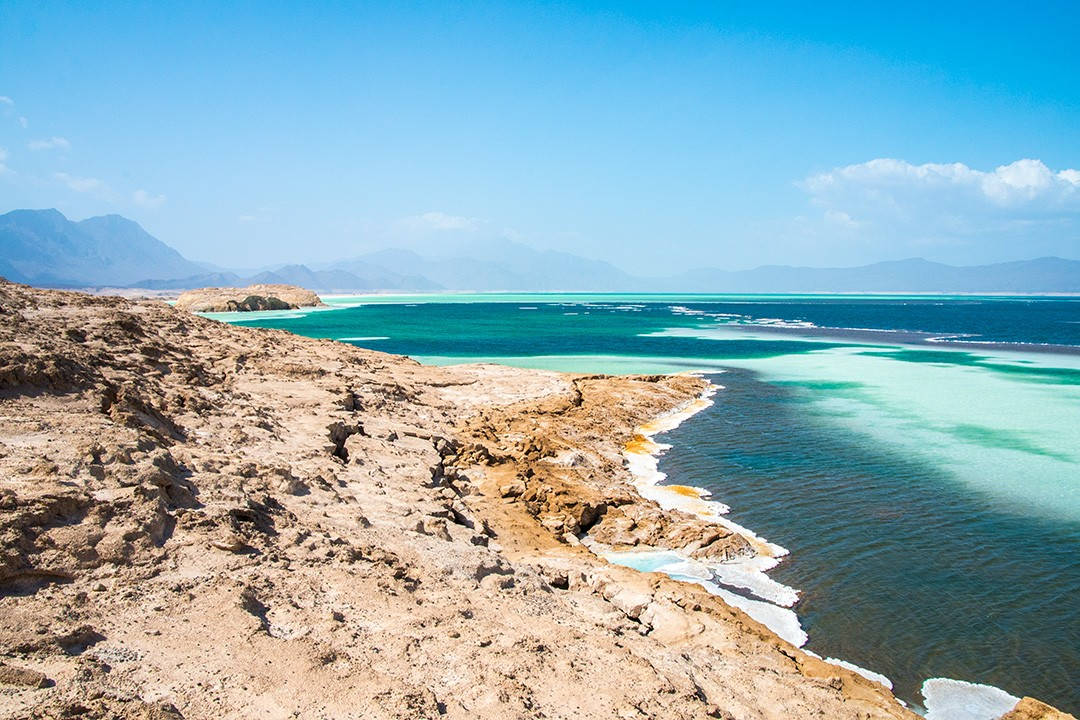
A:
(44, 248)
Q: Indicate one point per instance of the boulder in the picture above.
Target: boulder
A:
(23, 677)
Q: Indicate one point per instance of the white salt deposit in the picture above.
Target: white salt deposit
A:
(743, 573)
(958, 700)
(785, 623)
(868, 674)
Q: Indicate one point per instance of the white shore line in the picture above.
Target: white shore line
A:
(868, 674)
(945, 699)
(743, 574)
(958, 700)
(642, 457)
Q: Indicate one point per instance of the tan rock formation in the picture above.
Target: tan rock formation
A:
(1032, 709)
(205, 521)
(252, 297)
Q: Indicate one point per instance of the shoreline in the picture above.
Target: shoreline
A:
(360, 536)
(943, 698)
(770, 599)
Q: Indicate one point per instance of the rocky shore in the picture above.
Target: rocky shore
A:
(205, 521)
(252, 297)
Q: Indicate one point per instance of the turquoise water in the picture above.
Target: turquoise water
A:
(924, 469)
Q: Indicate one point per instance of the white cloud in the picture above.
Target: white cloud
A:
(441, 221)
(889, 207)
(80, 184)
(24, 122)
(5, 100)
(145, 199)
(53, 143)
(3, 157)
(1024, 184)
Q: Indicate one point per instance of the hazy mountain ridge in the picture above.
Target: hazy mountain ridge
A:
(502, 266)
(42, 247)
(1044, 275)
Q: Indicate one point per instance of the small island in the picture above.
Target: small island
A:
(252, 297)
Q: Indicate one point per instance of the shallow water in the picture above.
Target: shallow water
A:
(930, 495)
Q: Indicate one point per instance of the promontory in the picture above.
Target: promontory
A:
(206, 521)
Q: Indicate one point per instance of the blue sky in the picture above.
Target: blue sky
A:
(659, 136)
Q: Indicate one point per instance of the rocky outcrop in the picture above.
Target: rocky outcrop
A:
(205, 521)
(548, 461)
(253, 297)
(1032, 709)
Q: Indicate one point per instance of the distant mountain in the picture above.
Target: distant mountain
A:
(512, 266)
(503, 265)
(42, 247)
(1042, 275)
(359, 276)
(301, 275)
(213, 279)
(446, 273)
(326, 281)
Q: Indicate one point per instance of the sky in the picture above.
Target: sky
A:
(658, 136)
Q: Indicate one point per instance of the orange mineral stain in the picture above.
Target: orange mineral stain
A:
(684, 490)
(639, 444)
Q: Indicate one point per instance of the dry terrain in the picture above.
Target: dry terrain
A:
(205, 521)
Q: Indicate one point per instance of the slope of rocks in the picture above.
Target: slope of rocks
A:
(204, 521)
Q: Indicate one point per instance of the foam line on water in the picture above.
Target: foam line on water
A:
(958, 700)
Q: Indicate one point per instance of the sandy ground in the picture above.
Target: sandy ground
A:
(204, 521)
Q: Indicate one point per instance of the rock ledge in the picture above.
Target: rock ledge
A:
(253, 297)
